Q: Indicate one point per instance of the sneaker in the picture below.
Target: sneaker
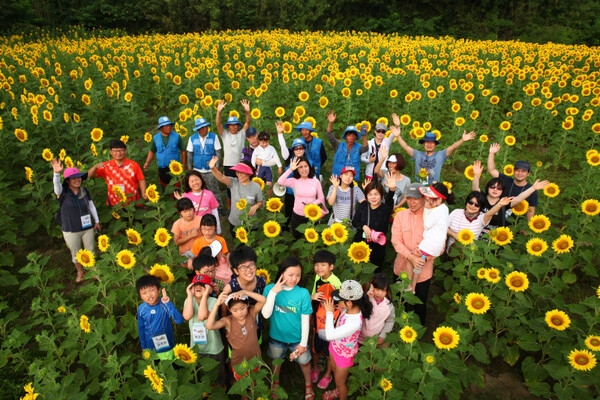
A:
(324, 382)
(314, 375)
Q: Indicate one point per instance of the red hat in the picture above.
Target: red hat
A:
(203, 279)
(348, 168)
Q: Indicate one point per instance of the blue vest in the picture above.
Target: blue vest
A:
(313, 153)
(202, 155)
(168, 153)
(342, 158)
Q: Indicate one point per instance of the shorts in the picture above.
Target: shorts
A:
(265, 174)
(340, 361)
(319, 345)
(279, 349)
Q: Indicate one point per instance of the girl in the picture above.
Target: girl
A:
(289, 308)
(343, 338)
(205, 202)
(382, 320)
(240, 325)
(187, 228)
(208, 228)
(344, 196)
(307, 190)
(393, 181)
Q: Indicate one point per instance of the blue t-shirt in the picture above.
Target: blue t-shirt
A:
(155, 321)
(286, 320)
(433, 164)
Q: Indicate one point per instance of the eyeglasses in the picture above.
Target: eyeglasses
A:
(496, 187)
(208, 271)
(380, 131)
(471, 202)
(246, 267)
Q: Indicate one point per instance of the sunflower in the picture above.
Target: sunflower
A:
(558, 320)
(29, 174)
(162, 237)
(596, 128)
(312, 212)
(155, 380)
(241, 204)
(505, 125)
(563, 244)
(175, 167)
(84, 323)
(30, 392)
(508, 170)
(552, 190)
(477, 303)
(21, 134)
(133, 236)
(115, 215)
(340, 233)
(265, 274)
(86, 258)
(103, 243)
(47, 155)
(152, 194)
(125, 259)
(483, 138)
(593, 159)
(279, 112)
(405, 119)
(124, 138)
(311, 235)
(445, 338)
(503, 236)
(517, 281)
(162, 272)
(271, 229)
(184, 353)
(393, 93)
(147, 137)
(255, 113)
(492, 275)
(359, 252)
(68, 162)
(97, 134)
(582, 360)
(146, 354)
(536, 247)
(120, 194)
(303, 96)
(539, 223)
(408, 334)
(510, 140)
(590, 207)
(423, 173)
(260, 182)
(274, 205)
(593, 342)
(241, 234)
(465, 236)
(327, 236)
(429, 359)
(459, 121)
(469, 174)
(385, 384)
(481, 272)
(323, 101)
(521, 208)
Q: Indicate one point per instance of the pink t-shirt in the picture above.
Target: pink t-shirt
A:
(204, 202)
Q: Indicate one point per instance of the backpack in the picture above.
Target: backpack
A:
(61, 200)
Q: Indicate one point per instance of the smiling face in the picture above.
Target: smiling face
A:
(415, 204)
(253, 140)
(198, 289)
(246, 272)
(203, 131)
(323, 269)
(292, 276)
(233, 128)
(195, 183)
(298, 151)
(303, 169)
(242, 177)
(306, 134)
(521, 175)
(118, 154)
(429, 147)
(149, 295)
(472, 205)
(208, 270)
(74, 183)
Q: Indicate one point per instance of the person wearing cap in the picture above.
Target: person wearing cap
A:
(167, 146)
(371, 156)
(263, 158)
(315, 149)
(430, 159)
(242, 187)
(252, 138)
(407, 233)
(196, 308)
(513, 187)
(343, 196)
(76, 212)
(122, 172)
(391, 176)
(347, 153)
(201, 148)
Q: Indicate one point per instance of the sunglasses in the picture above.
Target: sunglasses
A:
(471, 202)
(496, 187)
(380, 131)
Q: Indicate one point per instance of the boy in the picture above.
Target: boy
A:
(206, 264)
(325, 283)
(265, 156)
(187, 228)
(208, 227)
(196, 308)
(154, 317)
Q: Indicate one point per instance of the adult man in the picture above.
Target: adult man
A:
(202, 147)
(315, 150)
(167, 146)
(252, 137)
(347, 153)
(121, 172)
(430, 160)
(407, 233)
(513, 187)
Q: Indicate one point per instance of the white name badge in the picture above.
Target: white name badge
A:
(199, 333)
(86, 221)
(160, 342)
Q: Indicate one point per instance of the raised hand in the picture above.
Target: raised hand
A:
(477, 168)
(468, 136)
(494, 148)
(246, 104)
(165, 298)
(56, 165)
(334, 181)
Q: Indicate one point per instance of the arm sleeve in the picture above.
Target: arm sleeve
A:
(305, 330)
(174, 313)
(333, 333)
(283, 179)
(93, 211)
(389, 322)
(215, 212)
(333, 140)
(323, 154)
(267, 309)
(285, 152)
(142, 332)
(58, 188)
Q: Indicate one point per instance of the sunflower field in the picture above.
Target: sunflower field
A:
(529, 298)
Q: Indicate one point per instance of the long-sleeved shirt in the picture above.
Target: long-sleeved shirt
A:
(407, 233)
(155, 321)
(268, 155)
(306, 191)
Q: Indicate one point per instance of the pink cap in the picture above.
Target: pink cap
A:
(243, 168)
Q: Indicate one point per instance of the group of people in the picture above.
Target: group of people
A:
(329, 321)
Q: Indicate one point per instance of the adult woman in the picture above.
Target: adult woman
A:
(205, 202)
(344, 196)
(371, 221)
(307, 190)
(393, 181)
(242, 187)
(77, 210)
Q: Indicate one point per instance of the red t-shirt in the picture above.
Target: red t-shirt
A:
(127, 176)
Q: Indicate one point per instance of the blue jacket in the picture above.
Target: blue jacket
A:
(343, 158)
(202, 155)
(156, 320)
(168, 153)
(315, 152)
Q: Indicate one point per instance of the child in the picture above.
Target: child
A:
(289, 308)
(265, 156)
(208, 227)
(206, 264)
(154, 317)
(195, 310)
(205, 202)
(240, 325)
(325, 283)
(187, 228)
(343, 338)
(435, 220)
(343, 196)
(382, 320)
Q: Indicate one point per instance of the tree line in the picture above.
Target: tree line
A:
(540, 21)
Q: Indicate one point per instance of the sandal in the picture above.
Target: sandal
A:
(324, 382)
(314, 375)
(80, 275)
(331, 395)
(309, 395)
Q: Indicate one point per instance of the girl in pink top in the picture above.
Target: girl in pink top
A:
(307, 190)
(205, 202)
(382, 319)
